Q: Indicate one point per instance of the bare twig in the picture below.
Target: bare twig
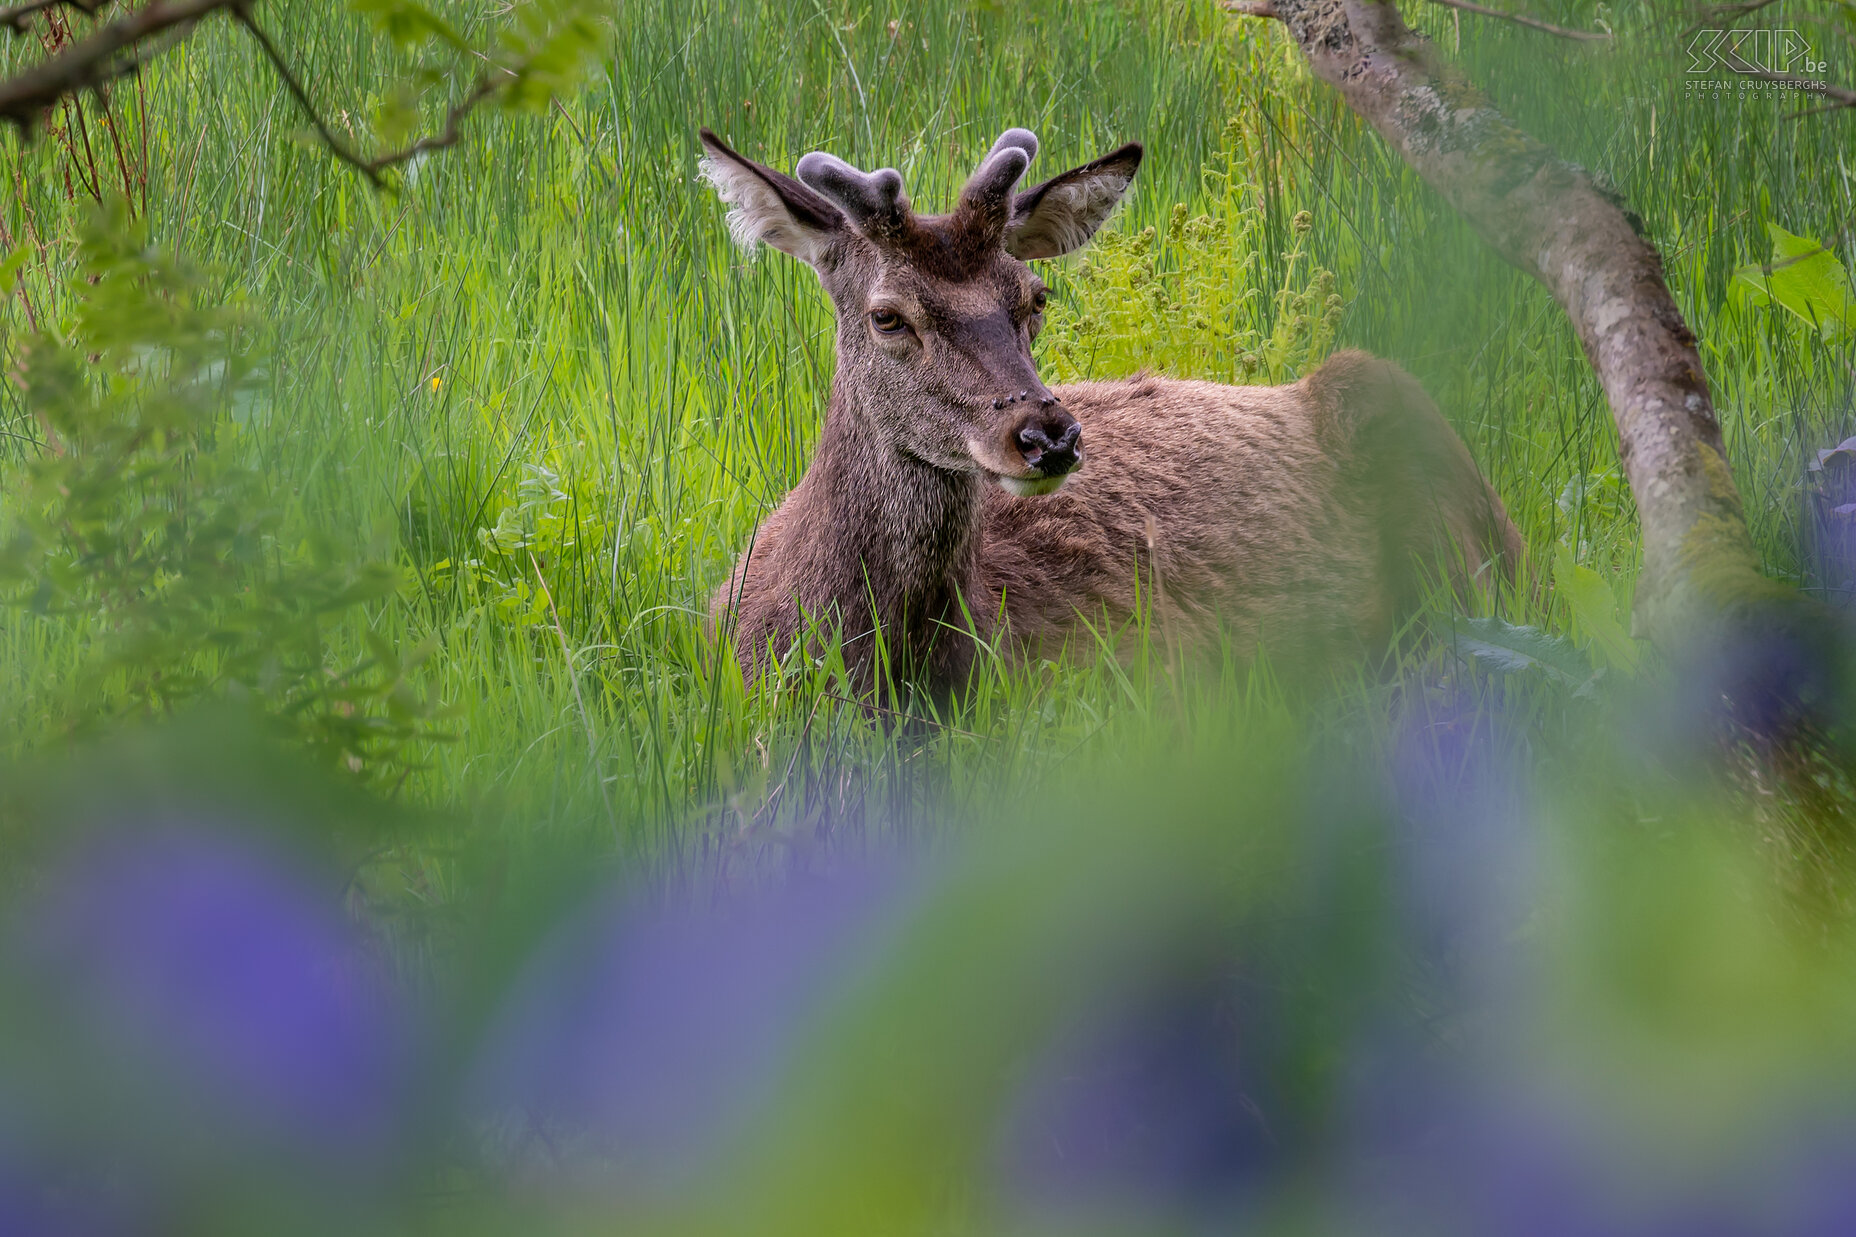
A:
(337, 147)
(100, 57)
(1532, 23)
(1835, 106)
(1267, 9)
(1722, 14)
(1839, 96)
(448, 136)
(370, 168)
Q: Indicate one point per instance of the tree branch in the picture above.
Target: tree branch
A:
(97, 58)
(371, 168)
(1267, 9)
(1532, 23)
(1550, 219)
(1721, 14)
(14, 17)
(448, 136)
(122, 47)
(1839, 96)
(337, 147)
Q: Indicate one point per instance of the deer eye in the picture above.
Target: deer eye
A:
(888, 321)
(1038, 299)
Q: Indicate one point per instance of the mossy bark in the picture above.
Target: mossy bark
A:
(1551, 219)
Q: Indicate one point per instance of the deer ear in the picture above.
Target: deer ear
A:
(770, 206)
(1060, 215)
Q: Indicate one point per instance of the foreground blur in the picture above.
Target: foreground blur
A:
(1266, 983)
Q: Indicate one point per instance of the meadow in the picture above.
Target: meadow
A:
(541, 389)
(541, 382)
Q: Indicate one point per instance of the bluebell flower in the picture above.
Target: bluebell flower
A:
(204, 985)
(1150, 1105)
(1461, 853)
(644, 1037)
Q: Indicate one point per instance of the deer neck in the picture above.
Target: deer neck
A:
(902, 536)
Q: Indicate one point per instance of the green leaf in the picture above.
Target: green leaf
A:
(1804, 277)
(1513, 649)
(9, 269)
(407, 23)
(1595, 610)
(372, 582)
(546, 48)
(397, 117)
(1595, 496)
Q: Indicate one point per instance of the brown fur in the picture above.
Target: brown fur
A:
(1299, 517)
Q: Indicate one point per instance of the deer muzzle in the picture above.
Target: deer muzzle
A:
(1043, 445)
(1052, 457)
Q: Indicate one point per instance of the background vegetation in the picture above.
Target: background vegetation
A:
(453, 471)
(539, 383)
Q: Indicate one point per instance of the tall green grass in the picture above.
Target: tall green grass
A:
(542, 380)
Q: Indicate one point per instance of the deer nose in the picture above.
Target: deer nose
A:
(1051, 440)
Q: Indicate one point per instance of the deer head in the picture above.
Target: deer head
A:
(936, 313)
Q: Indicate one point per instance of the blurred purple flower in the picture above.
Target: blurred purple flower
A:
(204, 971)
(1146, 1107)
(1462, 855)
(641, 1039)
(42, 1198)
(1817, 1183)
(1429, 1153)
(1432, 1148)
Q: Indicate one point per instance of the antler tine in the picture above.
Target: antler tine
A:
(990, 187)
(1024, 139)
(872, 200)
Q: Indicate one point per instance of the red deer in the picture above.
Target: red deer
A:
(949, 496)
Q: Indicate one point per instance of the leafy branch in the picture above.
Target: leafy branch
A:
(370, 168)
(529, 65)
(151, 530)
